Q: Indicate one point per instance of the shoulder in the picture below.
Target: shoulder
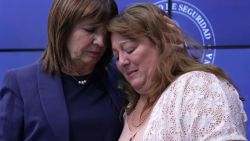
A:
(29, 69)
(198, 79)
(205, 81)
(205, 90)
(22, 75)
(198, 88)
(193, 79)
(196, 103)
(117, 95)
(197, 75)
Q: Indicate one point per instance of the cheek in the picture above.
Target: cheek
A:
(147, 65)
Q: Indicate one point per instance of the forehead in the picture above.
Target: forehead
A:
(118, 40)
(116, 37)
(91, 22)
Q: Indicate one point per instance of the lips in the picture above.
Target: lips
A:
(95, 54)
(131, 73)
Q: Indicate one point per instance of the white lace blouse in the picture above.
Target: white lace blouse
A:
(198, 106)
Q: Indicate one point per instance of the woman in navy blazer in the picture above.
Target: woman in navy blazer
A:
(68, 94)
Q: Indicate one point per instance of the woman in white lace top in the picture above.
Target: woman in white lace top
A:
(172, 95)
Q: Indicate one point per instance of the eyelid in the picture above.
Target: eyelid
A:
(130, 47)
(90, 29)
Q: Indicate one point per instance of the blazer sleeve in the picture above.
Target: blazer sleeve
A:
(11, 110)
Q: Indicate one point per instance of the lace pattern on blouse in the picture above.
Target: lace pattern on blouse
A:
(198, 106)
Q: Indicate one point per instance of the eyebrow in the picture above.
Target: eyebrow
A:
(90, 23)
(124, 42)
(121, 44)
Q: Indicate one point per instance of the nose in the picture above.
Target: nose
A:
(99, 38)
(123, 60)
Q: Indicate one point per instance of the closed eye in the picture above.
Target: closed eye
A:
(90, 30)
(129, 47)
(130, 50)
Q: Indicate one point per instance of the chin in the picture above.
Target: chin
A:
(142, 92)
(138, 88)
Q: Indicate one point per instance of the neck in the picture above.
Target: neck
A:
(142, 101)
(77, 70)
(81, 71)
(138, 116)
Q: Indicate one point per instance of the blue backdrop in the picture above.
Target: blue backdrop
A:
(222, 24)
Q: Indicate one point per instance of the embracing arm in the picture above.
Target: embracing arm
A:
(11, 110)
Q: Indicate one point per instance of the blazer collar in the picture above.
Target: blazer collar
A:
(52, 98)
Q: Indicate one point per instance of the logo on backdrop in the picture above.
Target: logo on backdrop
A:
(200, 22)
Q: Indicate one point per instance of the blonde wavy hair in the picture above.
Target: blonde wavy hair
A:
(148, 20)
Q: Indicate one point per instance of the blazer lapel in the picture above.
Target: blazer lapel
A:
(53, 103)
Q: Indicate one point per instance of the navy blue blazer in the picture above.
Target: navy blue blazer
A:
(33, 102)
